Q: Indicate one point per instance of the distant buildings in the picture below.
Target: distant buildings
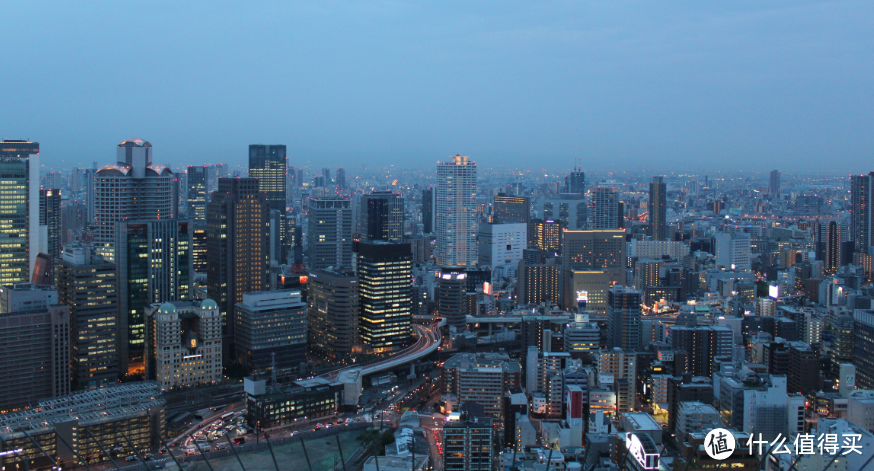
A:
(500, 247)
(606, 213)
(197, 193)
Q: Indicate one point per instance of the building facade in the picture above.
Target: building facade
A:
(271, 330)
(456, 215)
(329, 233)
(183, 343)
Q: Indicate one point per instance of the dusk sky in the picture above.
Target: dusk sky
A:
(656, 85)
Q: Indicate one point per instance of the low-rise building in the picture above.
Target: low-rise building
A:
(183, 343)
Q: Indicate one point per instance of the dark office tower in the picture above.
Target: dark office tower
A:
(510, 209)
(332, 320)
(468, 445)
(19, 219)
(576, 181)
(236, 246)
(452, 296)
(547, 235)
(330, 233)
(299, 175)
(341, 178)
(702, 344)
(860, 208)
(269, 164)
(623, 318)
(154, 264)
(198, 248)
(657, 209)
(863, 325)
(774, 184)
(428, 210)
(831, 246)
(385, 280)
(197, 180)
(605, 212)
(88, 286)
(36, 356)
(50, 222)
(382, 217)
(326, 172)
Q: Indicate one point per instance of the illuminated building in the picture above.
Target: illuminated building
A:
(153, 258)
(271, 330)
(537, 283)
(36, 354)
(115, 415)
(602, 250)
(468, 445)
(133, 188)
(500, 246)
(50, 222)
(88, 286)
(332, 321)
(269, 165)
(452, 296)
(236, 243)
(512, 209)
(198, 248)
(456, 212)
(275, 405)
(581, 336)
(623, 318)
(385, 295)
(590, 286)
(183, 343)
(197, 181)
(19, 220)
(702, 344)
(329, 233)
(382, 217)
(547, 235)
(646, 273)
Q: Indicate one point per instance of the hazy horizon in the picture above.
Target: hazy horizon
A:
(679, 86)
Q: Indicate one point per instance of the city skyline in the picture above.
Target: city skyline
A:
(712, 86)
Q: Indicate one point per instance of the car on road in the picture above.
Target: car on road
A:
(130, 458)
(239, 440)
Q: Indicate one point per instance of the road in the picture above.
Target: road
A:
(429, 340)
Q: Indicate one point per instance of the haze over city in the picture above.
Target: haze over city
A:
(678, 86)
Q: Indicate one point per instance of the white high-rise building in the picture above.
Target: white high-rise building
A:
(456, 212)
(500, 247)
(733, 250)
(133, 188)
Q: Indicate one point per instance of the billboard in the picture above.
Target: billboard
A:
(582, 299)
(773, 291)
